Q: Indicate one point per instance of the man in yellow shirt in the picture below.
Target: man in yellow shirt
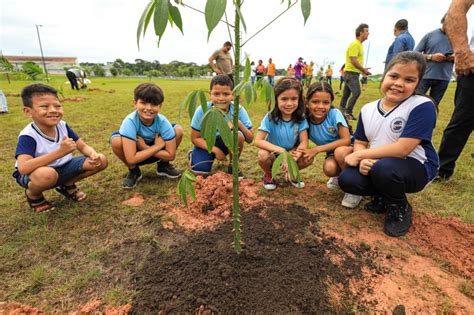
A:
(354, 67)
(271, 72)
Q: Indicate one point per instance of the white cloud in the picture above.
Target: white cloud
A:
(103, 30)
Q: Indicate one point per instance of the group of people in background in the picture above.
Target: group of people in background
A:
(389, 155)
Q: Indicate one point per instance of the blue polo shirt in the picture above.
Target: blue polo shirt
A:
(282, 133)
(132, 127)
(403, 42)
(436, 42)
(328, 130)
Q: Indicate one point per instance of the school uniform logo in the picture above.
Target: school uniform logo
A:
(397, 124)
(332, 130)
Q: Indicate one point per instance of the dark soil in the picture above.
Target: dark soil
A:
(287, 265)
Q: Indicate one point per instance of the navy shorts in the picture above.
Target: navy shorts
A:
(65, 172)
(201, 160)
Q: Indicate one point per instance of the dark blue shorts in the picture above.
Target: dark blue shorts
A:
(65, 172)
(201, 160)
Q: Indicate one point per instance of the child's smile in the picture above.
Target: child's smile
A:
(288, 103)
(319, 106)
(147, 111)
(399, 83)
(46, 111)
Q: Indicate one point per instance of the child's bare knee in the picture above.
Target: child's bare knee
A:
(263, 156)
(44, 176)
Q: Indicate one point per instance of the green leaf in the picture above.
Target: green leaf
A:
(247, 69)
(148, 16)
(237, 8)
(276, 168)
(161, 18)
(306, 9)
(141, 28)
(214, 11)
(189, 175)
(292, 167)
(248, 93)
(202, 100)
(224, 129)
(192, 104)
(181, 190)
(190, 189)
(176, 16)
(239, 88)
(208, 129)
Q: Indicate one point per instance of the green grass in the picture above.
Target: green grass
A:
(61, 259)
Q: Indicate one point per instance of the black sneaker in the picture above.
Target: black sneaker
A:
(230, 171)
(131, 180)
(398, 219)
(167, 169)
(376, 205)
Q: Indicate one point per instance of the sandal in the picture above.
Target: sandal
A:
(75, 195)
(39, 205)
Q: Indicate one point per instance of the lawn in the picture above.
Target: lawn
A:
(59, 260)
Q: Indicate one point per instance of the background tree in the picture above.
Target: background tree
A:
(31, 69)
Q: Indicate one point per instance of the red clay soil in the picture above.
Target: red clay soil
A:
(135, 201)
(287, 266)
(73, 99)
(427, 268)
(213, 204)
(92, 307)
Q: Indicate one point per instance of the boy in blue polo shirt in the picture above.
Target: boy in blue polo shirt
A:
(43, 154)
(146, 137)
(221, 97)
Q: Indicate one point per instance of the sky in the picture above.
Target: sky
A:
(104, 30)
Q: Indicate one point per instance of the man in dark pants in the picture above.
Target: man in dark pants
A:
(461, 124)
(73, 75)
(354, 67)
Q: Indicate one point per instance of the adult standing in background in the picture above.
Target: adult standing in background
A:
(271, 69)
(403, 40)
(329, 75)
(221, 61)
(354, 67)
(73, 75)
(461, 124)
(438, 53)
(299, 69)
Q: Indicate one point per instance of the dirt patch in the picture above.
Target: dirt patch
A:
(91, 307)
(12, 94)
(213, 204)
(135, 201)
(73, 99)
(100, 90)
(287, 265)
(448, 239)
(426, 268)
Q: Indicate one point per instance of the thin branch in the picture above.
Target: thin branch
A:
(188, 6)
(278, 16)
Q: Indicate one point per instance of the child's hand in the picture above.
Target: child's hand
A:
(159, 142)
(296, 154)
(352, 159)
(94, 159)
(141, 145)
(218, 153)
(67, 145)
(365, 166)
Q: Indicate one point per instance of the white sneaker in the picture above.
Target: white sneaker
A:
(297, 184)
(333, 183)
(351, 201)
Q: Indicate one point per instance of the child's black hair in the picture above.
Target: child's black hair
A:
(321, 87)
(221, 79)
(283, 85)
(149, 93)
(36, 89)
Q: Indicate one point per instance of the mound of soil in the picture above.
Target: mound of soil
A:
(213, 204)
(447, 238)
(73, 99)
(91, 307)
(287, 265)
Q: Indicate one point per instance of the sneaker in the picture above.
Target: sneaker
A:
(230, 171)
(167, 169)
(376, 205)
(131, 180)
(297, 184)
(351, 201)
(398, 219)
(333, 183)
(268, 182)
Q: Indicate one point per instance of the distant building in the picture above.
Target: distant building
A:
(54, 65)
